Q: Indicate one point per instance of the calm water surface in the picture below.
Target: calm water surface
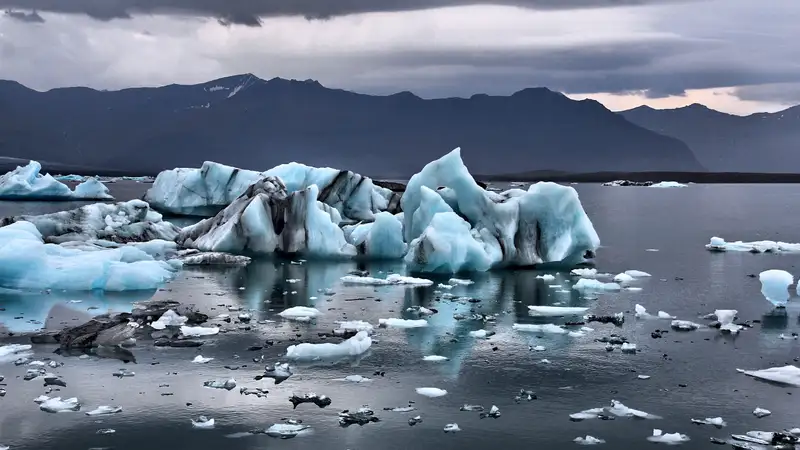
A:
(693, 374)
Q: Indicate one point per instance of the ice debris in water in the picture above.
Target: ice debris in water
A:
(555, 311)
(169, 319)
(684, 325)
(199, 359)
(637, 273)
(667, 438)
(460, 282)
(641, 313)
(431, 392)
(300, 313)
(198, 331)
(525, 394)
(471, 408)
(435, 358)
(628, 347)
(623, 278)
(403, 323)
(725, 318)
(414, 420)
(546, 328)
(123, 373)
(217, 384)
(354, 346)
(11, 352)
(104, 411)
(616, 409)
(356, 379)
(546, 277)
(592, 285)
(280, 372)
(393, 279)
(584, 272)
(539, 348)
(494, 413)
(56, 405)
(362, 416)
(789, 375)
(775, 286)
(761, 412)
(320, 400)
(451, 428)
(203, 423)
(481, 334)
(717, 244)
(353, 326)
(588, 440)
(715, 421)
(643, 377)
(287, 430)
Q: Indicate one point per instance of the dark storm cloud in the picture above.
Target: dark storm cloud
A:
(22, 16)
(249, 12)
(784, 93)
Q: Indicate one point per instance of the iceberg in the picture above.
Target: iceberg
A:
(775, 286)
(206, 191)
(27, 263)
(266, 219)
(381, 239)
(545, 224)
(27, 183)
(717, 244)
(131, 221)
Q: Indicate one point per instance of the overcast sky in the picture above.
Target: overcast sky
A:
(739, 56)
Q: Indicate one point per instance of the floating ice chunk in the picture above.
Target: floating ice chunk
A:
(354, 326)
(199, 359)
(356, 379)
(628, 347)
(546, 277)
(300, 312)
(616, 408)
(789, 375)
(668, 184)
(637, 273)
(431, 392)
(775, 286)
(27, 183)
(592, 285)
(555, 311)
(198, 331)
(403, 323)
(643, 377)
(471, 408)
(725, 318)
(354, 346)
(169, 319)
(482, 334)
(623, 278)
(792, 336)
(393, 279)
(451, 428)
(215, 259)
(203, 423)
(56, 405)
(105, 411)
(584, 272)
(217, 384)
(684, 325)
(460, 282)
(667, 438)
(435, 358)
(547, 328)
(588, 440)
(11, 352)
(494, 413)
(761, 412)
(641, 312)
(665, 315)
(287, 430)
(715, 421)
(718, 244)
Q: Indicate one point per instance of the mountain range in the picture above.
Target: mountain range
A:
(249, 122)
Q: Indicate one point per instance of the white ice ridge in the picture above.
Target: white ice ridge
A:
(354, 346)
(27, 183)
(206, 191)
(27, 263)
(775, 286)
(718, 244)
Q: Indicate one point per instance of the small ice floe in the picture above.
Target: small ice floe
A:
(684, 325)
(633, 289)
(203, 423)
(481, 334)
(198, 331)
(321, 401)
(545, 328)
(401, 409)
(665, 315)
(169, 319)
(622, 278)
(525, 394)
(414, 420)
(641, 313)
(592, 285)
(421, 310)
(775, 286)
(11, 352)
(472, 408)
(545, 361)
(244, 317)
(356, 379)
(354, 346)
(718, 244)
(637, 274)
(123, 373)
(628, 348)
(546, 277)
(576, 334)
(792, 336)
(460, 282)
(199, 359)
(643, 377)
(451, 428)
(280, 372)
(56, 405)
(715, 421)
(353, 326)
(287, 430)
(106, 431)
(538, 348)
(588, 440)
(494, 413)
(218, 384)
(292, 280)
(361, 417)
(104, 411)
(258, 392)
(616, 409)
(725, 318)
(555, 311)
(445, 286)
(402, 323)
(761, 412)
(301, 313)
(393, 279)
(660, 437)
(584, 273)
(431, 392)
(435, 358)
(789, 375)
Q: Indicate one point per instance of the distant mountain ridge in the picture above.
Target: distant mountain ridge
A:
(761, 142)
(249, 122)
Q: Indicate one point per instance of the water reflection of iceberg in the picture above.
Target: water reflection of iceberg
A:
(25, 312)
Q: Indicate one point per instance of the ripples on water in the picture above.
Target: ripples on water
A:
(687, 282)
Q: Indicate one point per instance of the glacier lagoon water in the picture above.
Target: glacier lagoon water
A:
(692, 374)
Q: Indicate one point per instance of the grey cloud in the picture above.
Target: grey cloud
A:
(249, 12)
(22, 16)
(783, 93)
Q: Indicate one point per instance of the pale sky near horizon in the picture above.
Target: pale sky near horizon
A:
(737, 56)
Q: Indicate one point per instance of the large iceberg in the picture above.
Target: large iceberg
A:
(206, 191)
(27, 183)
(267, 219)
(545, 224)
(131, 221)
(27, 263)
